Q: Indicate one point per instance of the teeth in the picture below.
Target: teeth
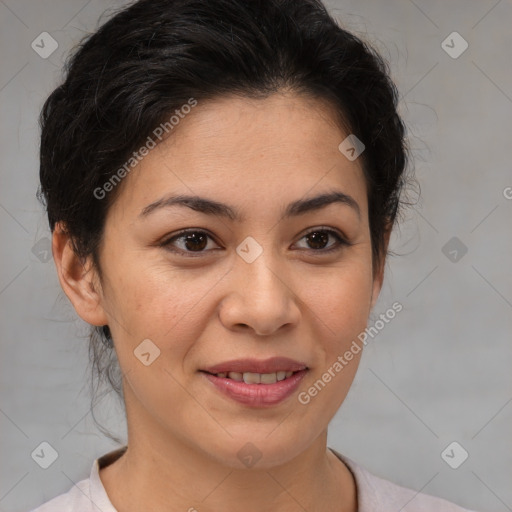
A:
(281, 375)
(256, 378)
(252, 378)
(268, 378)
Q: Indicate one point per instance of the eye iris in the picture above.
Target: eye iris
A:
(191, 240)
(318, 238)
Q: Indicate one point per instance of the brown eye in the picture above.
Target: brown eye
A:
(318, 240)
(192, 241)
(195, 241)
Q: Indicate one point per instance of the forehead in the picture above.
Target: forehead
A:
(248, 151)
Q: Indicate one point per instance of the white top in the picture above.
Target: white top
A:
(374, 494)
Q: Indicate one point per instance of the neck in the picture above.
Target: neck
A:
(171, 476)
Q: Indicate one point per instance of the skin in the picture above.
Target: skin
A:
(183, 435)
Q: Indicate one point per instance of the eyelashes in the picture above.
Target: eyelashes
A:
(196, 242)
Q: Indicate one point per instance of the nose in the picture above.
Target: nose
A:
(260, 298)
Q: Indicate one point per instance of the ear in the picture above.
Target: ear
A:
(78, 279)
(378, 278)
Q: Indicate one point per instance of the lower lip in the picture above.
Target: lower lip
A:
(257, 395)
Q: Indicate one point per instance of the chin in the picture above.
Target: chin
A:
(257, 452)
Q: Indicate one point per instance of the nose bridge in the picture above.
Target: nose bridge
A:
(263, 300)
(258, 266)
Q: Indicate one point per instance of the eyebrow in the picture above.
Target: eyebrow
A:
(211, 207)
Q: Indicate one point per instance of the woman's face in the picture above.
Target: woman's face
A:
(252, 284)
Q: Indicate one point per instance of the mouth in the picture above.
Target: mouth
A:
(257, 383)
(254, 366)
(255, 378)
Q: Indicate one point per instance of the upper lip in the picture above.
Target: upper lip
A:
(272, 365)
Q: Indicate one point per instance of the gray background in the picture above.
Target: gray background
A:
(439, 372)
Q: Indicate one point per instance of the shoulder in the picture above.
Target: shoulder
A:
(375, 494)
(88, 495)
(76, 499)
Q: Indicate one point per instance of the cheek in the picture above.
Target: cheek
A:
(172, 306)
(340, 303)
(159, 303)
(340, 298)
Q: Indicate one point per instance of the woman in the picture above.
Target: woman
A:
(221, 180)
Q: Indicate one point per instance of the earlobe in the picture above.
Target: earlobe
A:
(78, 279)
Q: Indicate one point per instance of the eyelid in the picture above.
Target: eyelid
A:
(328, 229)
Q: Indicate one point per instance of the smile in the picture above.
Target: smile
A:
(255, 378)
